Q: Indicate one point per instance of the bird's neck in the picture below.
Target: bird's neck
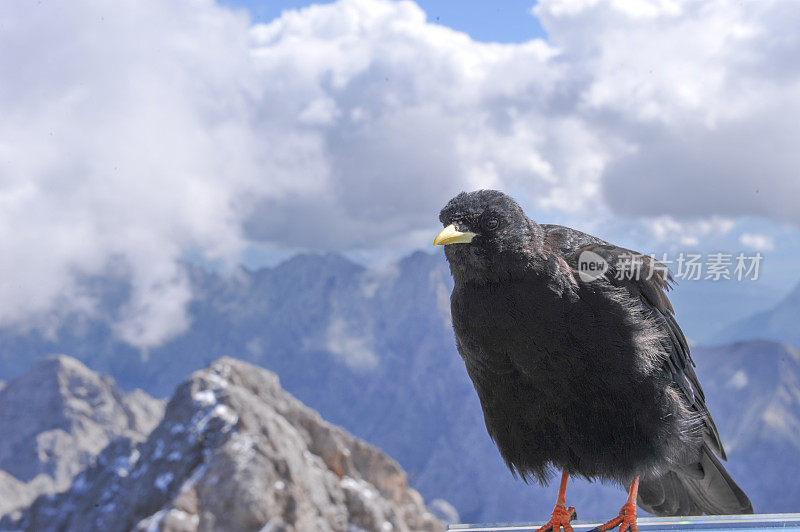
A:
(506, 266)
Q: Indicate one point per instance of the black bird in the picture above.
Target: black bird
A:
(579, 364)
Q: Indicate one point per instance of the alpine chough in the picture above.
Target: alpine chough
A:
(579, 364)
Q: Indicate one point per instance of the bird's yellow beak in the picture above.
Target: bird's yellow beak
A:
(451, 235)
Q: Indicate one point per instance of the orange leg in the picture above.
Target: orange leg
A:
(561, 515)
(627, 515)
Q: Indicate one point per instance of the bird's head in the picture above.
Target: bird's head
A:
(485, 233)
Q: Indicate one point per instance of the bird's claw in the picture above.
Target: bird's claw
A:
(560, 517)
(626, 520)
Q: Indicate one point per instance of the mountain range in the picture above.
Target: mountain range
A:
(373, 351)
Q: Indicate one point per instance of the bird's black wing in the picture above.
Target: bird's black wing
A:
(567, 240)
(703, 487)
(650, 287)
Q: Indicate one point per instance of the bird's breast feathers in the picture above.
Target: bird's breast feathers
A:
(537, 328)
(509, 317)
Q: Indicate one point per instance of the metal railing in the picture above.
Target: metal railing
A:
(721, 523)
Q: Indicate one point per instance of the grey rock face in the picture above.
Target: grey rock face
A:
(235, 452)
(55, 419)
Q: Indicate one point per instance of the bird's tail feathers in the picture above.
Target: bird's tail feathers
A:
(702, 488)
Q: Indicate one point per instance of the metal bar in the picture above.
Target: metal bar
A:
(722, 523)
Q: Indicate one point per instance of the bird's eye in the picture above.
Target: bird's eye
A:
(492, 224)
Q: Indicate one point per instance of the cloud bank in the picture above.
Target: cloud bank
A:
(138, 134)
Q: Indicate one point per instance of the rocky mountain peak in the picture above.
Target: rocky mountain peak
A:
(236, 452)
(55, 418)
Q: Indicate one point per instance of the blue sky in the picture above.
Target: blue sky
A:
(506, 21)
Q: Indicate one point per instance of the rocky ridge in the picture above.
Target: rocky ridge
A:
(56, 418)
(236, 452)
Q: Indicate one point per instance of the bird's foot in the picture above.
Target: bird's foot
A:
(626, 520)
(560, 517)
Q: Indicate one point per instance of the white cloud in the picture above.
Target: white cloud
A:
(413, 113)
(138, 133)
(354, 350)
(757, 241)
(704, 95)
(667, 229)
(121, 147)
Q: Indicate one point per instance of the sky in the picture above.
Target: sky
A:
(509, 21)
(139, 134)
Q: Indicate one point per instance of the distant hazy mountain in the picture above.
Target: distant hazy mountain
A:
(779, 323)
(372, 351)
(55, 419)
(754, 395)
(705, 307)
(236, 452)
